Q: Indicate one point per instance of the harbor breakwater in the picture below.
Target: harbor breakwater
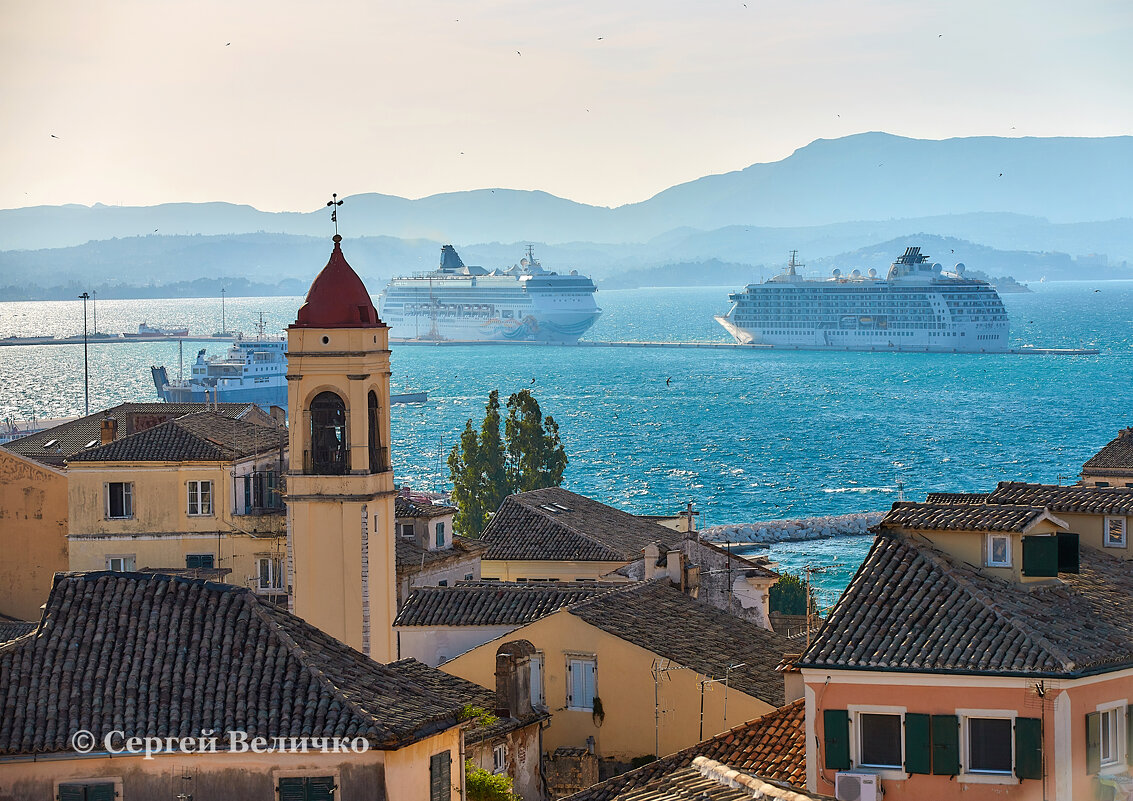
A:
(808, 528)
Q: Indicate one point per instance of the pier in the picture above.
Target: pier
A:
(1024, 351)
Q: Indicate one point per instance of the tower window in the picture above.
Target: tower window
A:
(328, 454)
(379, 456)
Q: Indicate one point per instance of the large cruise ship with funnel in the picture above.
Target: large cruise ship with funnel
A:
(461, 303)
(916, 306)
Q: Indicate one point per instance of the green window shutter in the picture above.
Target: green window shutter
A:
(320, 788)
(72, 792)
(1129, 735)
(918, 743)
(101, 792)
(1093, 742)
(1029, 748)
(440, 784)
(1067, 552)
(836, 731)
(293, 788)
(1040, 556)
(945, 745)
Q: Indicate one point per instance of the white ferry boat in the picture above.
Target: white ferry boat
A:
(455, 302)
(916, 306)
(253, 370)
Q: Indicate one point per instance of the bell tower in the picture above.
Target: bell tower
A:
(340, 493)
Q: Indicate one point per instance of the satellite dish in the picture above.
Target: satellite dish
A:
(959, 269)
(937, 267)
(523, 262)
(872, 273)
(837, 272)
(574, 272)
(856, 274)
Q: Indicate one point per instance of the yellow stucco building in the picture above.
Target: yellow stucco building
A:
(33, 533)
(340, 494)
(625, 669)
(201, 492)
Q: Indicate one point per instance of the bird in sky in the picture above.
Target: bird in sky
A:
(532, 380)
(668, 381)
(226, 44)
(53, 136)
(518, 53)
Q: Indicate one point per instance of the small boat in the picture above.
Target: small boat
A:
(149, 331)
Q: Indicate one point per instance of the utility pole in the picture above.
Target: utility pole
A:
(86, 360)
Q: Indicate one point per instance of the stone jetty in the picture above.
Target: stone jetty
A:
(806, 528)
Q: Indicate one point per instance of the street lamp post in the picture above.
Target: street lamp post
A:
(86, 361)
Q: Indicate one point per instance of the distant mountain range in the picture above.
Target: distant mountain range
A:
(1067, 196)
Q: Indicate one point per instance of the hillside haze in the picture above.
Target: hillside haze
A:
(870, 176)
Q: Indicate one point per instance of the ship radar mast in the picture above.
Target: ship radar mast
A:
(794, 263)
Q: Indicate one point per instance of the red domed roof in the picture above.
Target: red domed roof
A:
(337, 298)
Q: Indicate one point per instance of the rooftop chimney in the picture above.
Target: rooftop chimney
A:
(109, 430)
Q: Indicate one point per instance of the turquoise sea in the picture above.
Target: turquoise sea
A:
(745, 436)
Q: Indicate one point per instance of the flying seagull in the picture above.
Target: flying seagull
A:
(532, 380)
(668, 381)
(53, 136)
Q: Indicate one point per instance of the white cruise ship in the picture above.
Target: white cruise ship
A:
(471, 304)
(917, 306)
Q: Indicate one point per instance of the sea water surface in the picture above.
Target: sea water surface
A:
(744, 435)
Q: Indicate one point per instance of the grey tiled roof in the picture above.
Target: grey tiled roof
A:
(1085, 500)
(412, 558)
(1116, 457)
(11, 629)
(772, 746)
(492, 603)
(404, 507)
(164, 656)
(463, 693)
(555, 524)
(913, 608)
(956, 497)
(962, 517)
(72, 437)
(660, 618)
(197, 437)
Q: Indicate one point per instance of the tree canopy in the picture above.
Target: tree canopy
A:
(485, 468)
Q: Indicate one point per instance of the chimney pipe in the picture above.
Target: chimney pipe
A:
(109, 430)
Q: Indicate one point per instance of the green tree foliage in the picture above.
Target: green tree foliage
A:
(486, 468)
(484, 785)
(788, 596)
(536, 457)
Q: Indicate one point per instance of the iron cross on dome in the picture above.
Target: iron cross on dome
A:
(334, 202)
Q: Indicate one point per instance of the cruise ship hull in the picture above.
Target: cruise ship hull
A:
(917, 307)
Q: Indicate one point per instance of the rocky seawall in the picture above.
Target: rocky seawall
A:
(807, 528)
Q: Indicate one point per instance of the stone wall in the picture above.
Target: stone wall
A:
(808, 528)
(569, 770)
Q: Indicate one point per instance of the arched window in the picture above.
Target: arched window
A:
(378, 457)
(329, 447)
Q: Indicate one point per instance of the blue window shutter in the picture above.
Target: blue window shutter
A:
(1029, 748)
(836, 736)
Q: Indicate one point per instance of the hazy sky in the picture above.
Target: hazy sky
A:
(277, 104)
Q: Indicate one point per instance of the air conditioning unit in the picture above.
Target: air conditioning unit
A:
(857, 787)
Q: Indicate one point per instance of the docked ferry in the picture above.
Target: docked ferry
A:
(462, 303)
(252, 370)
(916, 306)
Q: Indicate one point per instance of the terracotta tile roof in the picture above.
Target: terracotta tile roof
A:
(1079, 499)
(660, 618)
(405, 507)
(1116, 458)
(72, 437)
(913, 608)
(412, 558)
(772, 746)
(159, 655)
(197, 437)
(962, 517)
(462, 693)
(956, 497)
(492, 603)
(555, 524)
